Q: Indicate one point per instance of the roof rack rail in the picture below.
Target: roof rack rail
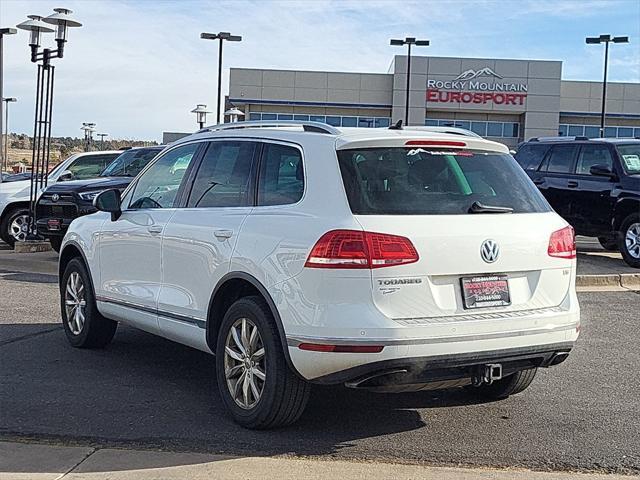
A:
(557, 139)
(316, 127)
(450, 130)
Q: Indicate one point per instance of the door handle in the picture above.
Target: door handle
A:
(572, 184)
(223, 234)
(154, 229)
(538, 181)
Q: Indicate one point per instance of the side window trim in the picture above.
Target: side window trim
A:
(202, 153)
(261, 160)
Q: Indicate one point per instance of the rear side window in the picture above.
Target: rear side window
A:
(415, 181)
(591, 155)
(223, 177)
(530, 156)
(281, 180)
(561, 158)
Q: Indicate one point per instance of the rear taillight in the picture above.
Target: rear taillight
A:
(562, 243)
(357, 249)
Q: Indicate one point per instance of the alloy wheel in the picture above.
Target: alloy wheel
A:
(632, 240)
(19, 228)
(244, 363)
(75, 303)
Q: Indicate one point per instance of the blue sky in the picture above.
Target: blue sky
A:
(136, 68)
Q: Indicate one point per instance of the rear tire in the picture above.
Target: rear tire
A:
(261, 392)
(83, 324)
(10, 226)
(629, 240)
(609, 243)
(514, 383)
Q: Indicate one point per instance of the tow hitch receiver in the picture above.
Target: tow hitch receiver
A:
(486, 374)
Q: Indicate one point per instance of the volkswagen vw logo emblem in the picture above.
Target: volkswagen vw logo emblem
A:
(489, 251)
(55, 197)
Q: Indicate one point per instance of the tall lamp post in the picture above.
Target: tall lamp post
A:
(606, 39)
(3, 32)
(102, 135)
(201, 114)
(88, 128)
(222, 36)
(408, 42)
(61, 19)
(5, 157)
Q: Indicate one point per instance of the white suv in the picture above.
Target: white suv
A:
(298, 253)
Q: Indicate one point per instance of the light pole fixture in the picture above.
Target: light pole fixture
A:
(222, 36)
(408, 41)
(5, 157)
(234, 114)
(606, 39)
(88, 128)
(102, 135)
(201, 114)
(3, 32)
(37, 25)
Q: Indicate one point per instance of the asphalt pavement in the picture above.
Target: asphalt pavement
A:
(148, 393)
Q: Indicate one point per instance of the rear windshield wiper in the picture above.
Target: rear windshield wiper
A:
(477, 207)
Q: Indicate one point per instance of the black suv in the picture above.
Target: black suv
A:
(593, 183)
(62, 202)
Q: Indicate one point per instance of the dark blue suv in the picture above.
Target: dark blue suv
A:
(593, 183)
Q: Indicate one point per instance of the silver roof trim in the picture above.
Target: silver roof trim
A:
(316, 127)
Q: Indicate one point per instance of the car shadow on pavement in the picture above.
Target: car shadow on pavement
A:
(146, 392)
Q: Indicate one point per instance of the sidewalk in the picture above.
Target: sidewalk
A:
(21, 461)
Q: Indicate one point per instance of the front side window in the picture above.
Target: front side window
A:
(561, 158)
(224, 176)
(417, 181)
(591, 155)
(281, 179)
(158, 186)
(130, 163)
(90, 166)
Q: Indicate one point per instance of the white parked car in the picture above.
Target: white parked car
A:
(14, 195)
(298, 253)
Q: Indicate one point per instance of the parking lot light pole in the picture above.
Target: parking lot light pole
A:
(201, 114)
(606, 39)
(3, 32)
(222, 36)
(102, 135)
(408, 42)
(88, 128)
(62, 20)
(5, 157)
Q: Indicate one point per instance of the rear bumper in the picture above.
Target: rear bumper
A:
(440, 368)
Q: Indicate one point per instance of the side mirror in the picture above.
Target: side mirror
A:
(601, 170)
(109, 201)
(66, 176)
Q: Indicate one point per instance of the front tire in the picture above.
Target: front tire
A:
(629, 240)
(510, 385)
(83, 324)
(255, 382)
(14, 226)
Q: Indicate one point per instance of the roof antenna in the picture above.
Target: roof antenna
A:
(397, 126)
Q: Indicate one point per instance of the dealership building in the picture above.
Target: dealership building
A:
(504, 100)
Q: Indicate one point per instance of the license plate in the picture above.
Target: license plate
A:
(485, 291)
(54, 224)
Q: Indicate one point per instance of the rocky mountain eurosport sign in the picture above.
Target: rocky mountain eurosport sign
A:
(471, 86)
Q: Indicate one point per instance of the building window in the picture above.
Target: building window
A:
(349, 121)
(511, 129)
(318, 118)
(333, 120)
(494, 129)
(366, 122)
(382, 122)
(269, 116)
(480, 128)
(255, 116)
(304, 118)
(430, 122)
(285, 116)
(593, 131)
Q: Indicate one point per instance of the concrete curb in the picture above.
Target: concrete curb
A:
(32, 246)
(617, 280)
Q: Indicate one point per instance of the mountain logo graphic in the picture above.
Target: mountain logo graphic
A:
(471, 74)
